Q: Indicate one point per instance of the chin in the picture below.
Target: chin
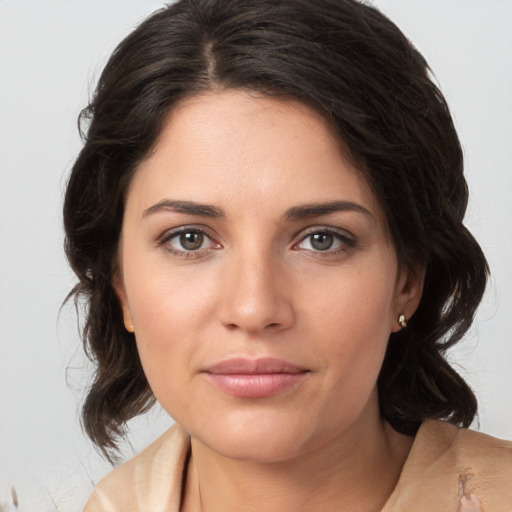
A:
(256, 448)
(261, 438)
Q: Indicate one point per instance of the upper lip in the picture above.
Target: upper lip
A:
(247, 366)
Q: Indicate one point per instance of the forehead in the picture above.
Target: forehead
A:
(248, 150)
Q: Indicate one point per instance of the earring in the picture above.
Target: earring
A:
(130, 328)
(402, 321)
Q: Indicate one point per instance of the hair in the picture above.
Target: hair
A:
(353, 66)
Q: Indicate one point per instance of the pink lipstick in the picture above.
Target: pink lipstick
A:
(254, 378)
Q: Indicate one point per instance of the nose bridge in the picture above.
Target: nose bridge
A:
(255, 295)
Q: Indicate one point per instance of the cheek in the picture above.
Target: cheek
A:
(351, 317)
(162, 298)
(169, 311)
(354, 303)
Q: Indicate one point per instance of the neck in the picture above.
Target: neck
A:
(356, 471)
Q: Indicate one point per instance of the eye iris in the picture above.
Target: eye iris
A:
(322, 241)
(191, 241)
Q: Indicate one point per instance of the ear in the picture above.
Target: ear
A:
(119, 288)
(408, 292)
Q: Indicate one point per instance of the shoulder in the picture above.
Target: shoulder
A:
(466, 448)
(149, 481)
(456, 468)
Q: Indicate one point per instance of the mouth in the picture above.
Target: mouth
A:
(254, 378)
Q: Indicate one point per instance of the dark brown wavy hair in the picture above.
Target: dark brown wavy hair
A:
(352, 65)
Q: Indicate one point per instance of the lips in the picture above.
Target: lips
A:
(254, 378)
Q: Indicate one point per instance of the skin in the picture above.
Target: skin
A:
(259, 287)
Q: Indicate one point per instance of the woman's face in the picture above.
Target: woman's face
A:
(259, 276)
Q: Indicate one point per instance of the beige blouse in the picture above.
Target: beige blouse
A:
(448, 470)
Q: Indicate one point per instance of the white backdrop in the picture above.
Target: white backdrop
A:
(50, 54)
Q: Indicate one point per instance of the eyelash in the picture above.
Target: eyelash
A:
(347, 241)
(166, 238)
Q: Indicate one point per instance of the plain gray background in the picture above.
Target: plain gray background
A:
(51, 52)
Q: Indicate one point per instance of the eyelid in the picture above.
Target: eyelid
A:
(163, 240)
(347, 238)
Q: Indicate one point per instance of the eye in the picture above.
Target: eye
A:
(325, 240)
(321, 241)
(188, 242)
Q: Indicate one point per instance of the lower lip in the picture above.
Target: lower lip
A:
(255, 385)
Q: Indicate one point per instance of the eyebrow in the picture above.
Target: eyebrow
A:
(318, 209)
(187, 207)
(293, 213)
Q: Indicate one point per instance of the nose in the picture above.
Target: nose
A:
(256, 296)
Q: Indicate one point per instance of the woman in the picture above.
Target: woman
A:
(266, 223)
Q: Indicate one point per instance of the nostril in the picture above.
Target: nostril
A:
(235, 327)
